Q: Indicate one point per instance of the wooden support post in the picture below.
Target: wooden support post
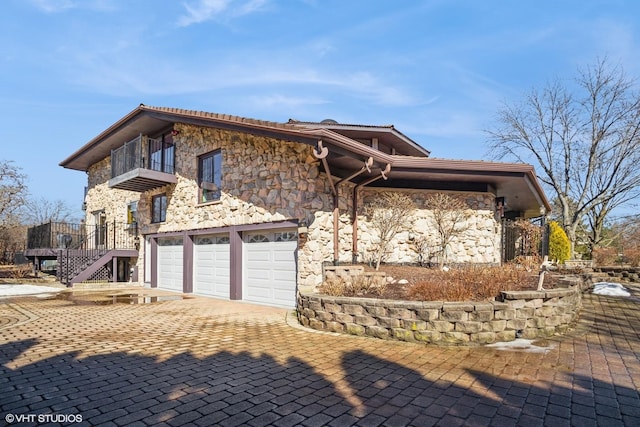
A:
(354, 226)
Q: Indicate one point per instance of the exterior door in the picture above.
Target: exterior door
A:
(100, 229)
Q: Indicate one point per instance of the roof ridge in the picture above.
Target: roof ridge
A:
(326, 124)
(219, 116)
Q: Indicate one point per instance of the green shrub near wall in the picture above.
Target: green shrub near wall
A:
(559, 245)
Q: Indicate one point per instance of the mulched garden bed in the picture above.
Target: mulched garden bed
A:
(475, 283)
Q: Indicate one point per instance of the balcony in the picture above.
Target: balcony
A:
(143, 164)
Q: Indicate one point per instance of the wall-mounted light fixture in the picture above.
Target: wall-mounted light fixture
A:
(303, 228)
(500, 205)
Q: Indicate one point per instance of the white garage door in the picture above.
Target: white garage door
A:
(269, 265)
(170, 262)
(211, 255)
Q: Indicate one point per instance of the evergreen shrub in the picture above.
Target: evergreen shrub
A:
(559, 245)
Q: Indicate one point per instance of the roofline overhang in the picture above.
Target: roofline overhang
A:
(350, 145)
(272, 129)
(98, 139)
(477, 168)
(310, 136)
(379, 129)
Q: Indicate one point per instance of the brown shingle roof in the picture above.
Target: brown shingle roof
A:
(220, 117)
(325, 123)
(153, 119)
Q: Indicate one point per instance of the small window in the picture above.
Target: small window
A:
(258, 238)
(170, 242)
(204, 240)
(159, 208)
(286, 236)
(210, 176)
(132, 212)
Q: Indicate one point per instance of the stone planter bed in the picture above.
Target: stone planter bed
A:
(519, 314)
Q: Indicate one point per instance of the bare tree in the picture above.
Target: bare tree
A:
(622, 233)
(12, 238)
(586, 144)
(40, 210)
(388, 214)
(631, 226)
(595, 235)
(13, 189)
(450, 217)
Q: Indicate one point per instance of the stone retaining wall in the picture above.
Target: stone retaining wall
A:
(521, 314)
(632, 274)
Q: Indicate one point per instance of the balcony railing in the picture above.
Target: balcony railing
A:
(127, 158)
(61, 235)
(142, 164)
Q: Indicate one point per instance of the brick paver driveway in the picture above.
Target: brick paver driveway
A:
(207, 362)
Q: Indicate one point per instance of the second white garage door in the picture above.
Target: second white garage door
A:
(170, 261)
(269, 268)
(211, 255)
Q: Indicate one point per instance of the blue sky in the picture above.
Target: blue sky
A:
(438, 70)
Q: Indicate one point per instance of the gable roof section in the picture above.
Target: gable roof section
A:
(148, 120)
(386, 134)
(517, 182)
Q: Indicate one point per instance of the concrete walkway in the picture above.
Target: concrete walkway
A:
(207, 362)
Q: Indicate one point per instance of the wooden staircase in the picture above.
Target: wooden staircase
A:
(83, 253)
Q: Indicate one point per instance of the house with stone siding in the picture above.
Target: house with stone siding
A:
(243, 209)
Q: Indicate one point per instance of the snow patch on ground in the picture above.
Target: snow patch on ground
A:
(520, 344)
(610, 289)
(18, 289)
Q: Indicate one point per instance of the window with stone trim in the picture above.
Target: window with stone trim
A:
(210, 176)
(132, 212)
(159, 208)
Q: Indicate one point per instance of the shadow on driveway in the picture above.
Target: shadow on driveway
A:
(240, 389)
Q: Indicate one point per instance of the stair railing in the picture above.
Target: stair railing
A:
(80, 250)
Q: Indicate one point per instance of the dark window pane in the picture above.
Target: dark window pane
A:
(169, 157)
(159, 208)
(162, 154)
(210, 176)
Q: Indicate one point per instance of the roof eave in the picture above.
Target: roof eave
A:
(351, 127)
(349, 144)
(66, 163)
(169, 116)
(480, 167)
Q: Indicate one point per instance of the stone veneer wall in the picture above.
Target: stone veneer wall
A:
(113, 202)
(266, 180)
(478, 243)
(525, 314)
